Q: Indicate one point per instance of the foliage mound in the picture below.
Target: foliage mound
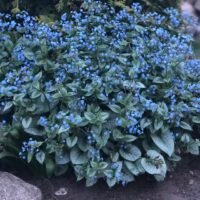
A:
(111, 94)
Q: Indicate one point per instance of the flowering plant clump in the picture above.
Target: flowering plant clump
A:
(111, 94)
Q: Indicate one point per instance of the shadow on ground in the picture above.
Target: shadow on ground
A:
(182, 184)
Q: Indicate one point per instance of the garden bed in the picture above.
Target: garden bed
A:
(180, 185)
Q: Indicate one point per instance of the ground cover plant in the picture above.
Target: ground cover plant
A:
(111, 94)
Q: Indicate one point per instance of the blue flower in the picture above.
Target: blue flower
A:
(43, 121)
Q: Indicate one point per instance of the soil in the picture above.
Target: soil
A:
(182, 184)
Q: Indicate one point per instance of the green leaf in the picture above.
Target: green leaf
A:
(29, 55)
(124, 43)
(149, 167)
(7, 141)
(103, 165)
(9, 45)
(164, 141)
(99, 165)
(78, 157)
(102, 97)
(89, 116)
(38, 76)
(31, 108)
(117, 134)
(109, 173)
(83, 144)
(5, 154)
(127, 138)
(122, 60)
(155, 164)
(132, 167)
(128, 177)
(115, 108)
(162, 109)
(90, 181)
(114, 156)
(158, 124)
(71, 141)
(40, 157)
(111, 182)
(50, 167)
(18, 98)
(26, 122)
(8, 106)
(193, 147)
(97, 129)
(145, 123)
(14, 132)
(35, 94)
(139, 166)
(158, 80)
(186, 126)
(90, 172)
(34, 131)
(140, 85)
(36, 85)
(196, 120)
(130, 153)
(103, 116)
(29, 157)
(175, 158)
(62, 158)
(185, 138)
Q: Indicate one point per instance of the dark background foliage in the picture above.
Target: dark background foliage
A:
(47, 10)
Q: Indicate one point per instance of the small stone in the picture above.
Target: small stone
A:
(13, 188)
(191, 172)
(170, 176)
(191, 182)
(61, 192)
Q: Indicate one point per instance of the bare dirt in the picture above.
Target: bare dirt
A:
(182, 184)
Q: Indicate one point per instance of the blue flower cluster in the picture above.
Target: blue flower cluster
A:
(103, 89)
(29, 147)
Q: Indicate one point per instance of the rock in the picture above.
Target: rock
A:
(191, 1)
(61, 192)
(13, 188)
(190, 17)
(197, 5)
(187, 8)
